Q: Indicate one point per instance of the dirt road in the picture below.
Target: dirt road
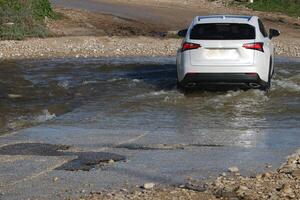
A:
(177, 14)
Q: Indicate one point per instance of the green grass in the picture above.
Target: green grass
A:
(289, 7)
(24, 18)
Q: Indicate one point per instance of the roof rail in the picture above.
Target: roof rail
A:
(225, 17)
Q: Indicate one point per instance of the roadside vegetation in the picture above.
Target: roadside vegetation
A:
(24, 18)
(289, 7)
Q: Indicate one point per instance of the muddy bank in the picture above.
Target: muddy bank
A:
(284, 183)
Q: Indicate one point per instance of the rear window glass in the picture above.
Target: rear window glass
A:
(223, 31)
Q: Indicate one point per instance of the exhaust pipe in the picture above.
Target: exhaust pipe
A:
(190, 85)
(254, 85)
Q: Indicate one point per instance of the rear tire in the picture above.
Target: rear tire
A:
(268, 84)
(180, 86)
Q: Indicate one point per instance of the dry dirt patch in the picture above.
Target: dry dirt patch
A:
(84, 23)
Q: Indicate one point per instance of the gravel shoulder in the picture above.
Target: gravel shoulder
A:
(284, 184)
(105, 46)
(88, 46)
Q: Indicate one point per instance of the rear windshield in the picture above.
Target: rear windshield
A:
(223, 31)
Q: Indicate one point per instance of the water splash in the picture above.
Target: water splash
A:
(45, 116)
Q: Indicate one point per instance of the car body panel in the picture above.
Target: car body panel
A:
(226, 56)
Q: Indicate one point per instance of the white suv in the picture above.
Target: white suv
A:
(228, 49)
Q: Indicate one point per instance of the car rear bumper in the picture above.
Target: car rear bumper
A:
(184, 68)
(221, 78)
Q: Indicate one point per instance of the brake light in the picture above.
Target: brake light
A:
(259, 46)
(189, 46)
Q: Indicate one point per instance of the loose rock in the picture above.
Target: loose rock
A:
(148, 186)
(296, 173)
(233, 169)
(111, 161)
(14, 96)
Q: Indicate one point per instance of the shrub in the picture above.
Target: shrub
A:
(24, 18)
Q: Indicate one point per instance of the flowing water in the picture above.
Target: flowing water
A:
(141, 95)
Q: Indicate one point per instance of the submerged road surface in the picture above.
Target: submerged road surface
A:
(76, 126)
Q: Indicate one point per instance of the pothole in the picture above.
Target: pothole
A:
(89, 160)
(34, 149)
(85, 161)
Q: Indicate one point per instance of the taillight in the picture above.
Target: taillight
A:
(259, 46)
(189, 46)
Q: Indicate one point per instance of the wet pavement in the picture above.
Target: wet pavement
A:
(94, 124)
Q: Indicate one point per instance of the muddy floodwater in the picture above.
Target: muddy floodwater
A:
(142, 95)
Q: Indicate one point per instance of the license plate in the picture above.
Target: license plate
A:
(227, 54)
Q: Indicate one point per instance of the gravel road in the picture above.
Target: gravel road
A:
(104, 46)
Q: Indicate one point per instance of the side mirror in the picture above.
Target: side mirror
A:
(182, 33)
(273, 33)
